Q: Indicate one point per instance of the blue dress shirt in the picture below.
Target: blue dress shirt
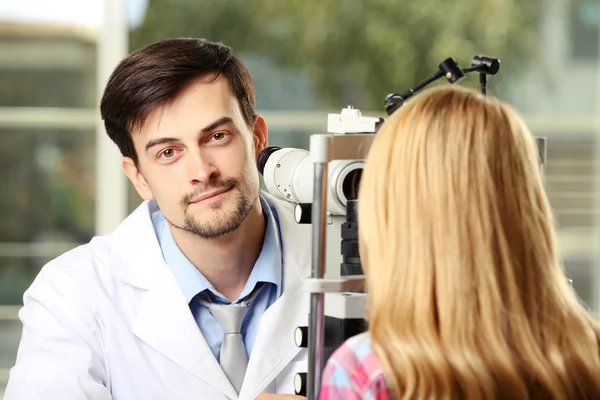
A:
(268, 269)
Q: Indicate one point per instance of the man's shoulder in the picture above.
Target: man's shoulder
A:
(295, 238)
(100, 257)
(78, 263)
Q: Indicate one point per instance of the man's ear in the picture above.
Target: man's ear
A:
(261, 134)
(138, 180)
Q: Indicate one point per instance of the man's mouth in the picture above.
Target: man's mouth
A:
(211, 195)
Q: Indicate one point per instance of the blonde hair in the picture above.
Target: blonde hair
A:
(467, 298)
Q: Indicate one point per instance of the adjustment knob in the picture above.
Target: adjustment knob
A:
(301, 336)
(303, 213)
(300, 384)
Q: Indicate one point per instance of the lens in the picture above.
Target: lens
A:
(351, 184)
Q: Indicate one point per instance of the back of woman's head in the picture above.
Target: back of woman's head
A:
(467, 298)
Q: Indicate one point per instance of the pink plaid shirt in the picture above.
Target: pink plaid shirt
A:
(352, 372)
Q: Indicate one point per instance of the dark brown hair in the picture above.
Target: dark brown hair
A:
(154, 75)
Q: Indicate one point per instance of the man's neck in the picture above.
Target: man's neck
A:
(226, 262)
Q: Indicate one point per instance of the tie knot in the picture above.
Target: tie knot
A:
(229, 316)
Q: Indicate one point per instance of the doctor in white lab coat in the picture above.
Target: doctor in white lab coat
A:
(113, 319)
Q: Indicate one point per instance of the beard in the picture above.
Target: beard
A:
(221, 222)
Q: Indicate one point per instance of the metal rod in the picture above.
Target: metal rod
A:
(433, 77)
(483, 83)
(316, 328)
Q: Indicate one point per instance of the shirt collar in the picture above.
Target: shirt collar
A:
(268, 266)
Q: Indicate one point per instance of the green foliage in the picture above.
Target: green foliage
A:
(356, 51)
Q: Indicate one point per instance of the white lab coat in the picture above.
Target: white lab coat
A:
(108, 320)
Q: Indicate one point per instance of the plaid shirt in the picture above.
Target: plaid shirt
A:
(352, 372)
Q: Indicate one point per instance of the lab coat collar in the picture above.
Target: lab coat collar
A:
(135, 257)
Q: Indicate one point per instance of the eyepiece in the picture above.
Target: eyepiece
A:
(263, 157)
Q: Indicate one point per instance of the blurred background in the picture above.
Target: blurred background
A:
(60, 178)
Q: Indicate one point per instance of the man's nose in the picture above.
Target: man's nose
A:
(201, 168)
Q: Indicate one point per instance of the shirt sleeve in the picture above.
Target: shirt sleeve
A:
(337, 383)
(352, 372)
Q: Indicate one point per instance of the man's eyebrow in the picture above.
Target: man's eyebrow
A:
(220, 122)
(211, 127)
(158, 141)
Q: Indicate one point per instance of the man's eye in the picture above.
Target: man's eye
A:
(168, 153)
(218, 136)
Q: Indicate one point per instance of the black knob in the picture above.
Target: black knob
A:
(300, 384)
(303, 213)
(301, 336)
(452, 70)
(486, 65)
(393, 102)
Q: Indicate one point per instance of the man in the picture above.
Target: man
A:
(142, 313)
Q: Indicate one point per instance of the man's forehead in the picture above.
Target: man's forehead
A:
(197, 106)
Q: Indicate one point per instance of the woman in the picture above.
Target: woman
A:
(466, 295)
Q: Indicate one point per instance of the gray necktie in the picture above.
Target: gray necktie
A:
(233, 358)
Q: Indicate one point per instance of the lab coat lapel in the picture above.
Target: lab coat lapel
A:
(164, 320)
(166, 323)
(275, 347)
